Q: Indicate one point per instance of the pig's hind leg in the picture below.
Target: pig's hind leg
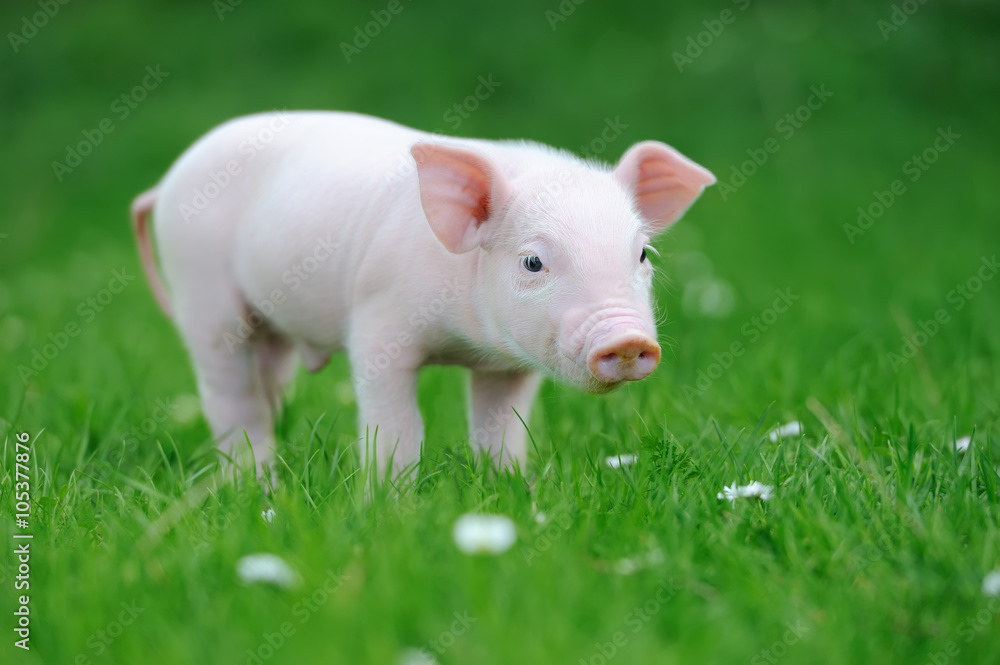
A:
(233, 388)
(276, 362)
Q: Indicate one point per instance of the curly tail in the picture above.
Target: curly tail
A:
(141, 208)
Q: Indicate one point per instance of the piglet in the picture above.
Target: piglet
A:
(285, 236)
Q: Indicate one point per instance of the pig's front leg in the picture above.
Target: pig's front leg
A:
(388, 416)
(494, 396)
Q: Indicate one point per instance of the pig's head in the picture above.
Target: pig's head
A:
(562, 250)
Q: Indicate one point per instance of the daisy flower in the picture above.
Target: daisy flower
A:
(484, 534)
(618, 461)
(991, 584)
(629, 565)
(754, 490)
(266, 568)
(785, 431)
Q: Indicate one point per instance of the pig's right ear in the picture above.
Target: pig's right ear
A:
(663, 181)
(459, 190)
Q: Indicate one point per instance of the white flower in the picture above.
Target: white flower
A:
(267, 568)
(267, 515)
(630, 565)
(618, 461)
(626, 566)
(991, 584)
(538, 515)
(417, 657)
(484, 534)
(785, 431)
(963, 444)
(753, 490)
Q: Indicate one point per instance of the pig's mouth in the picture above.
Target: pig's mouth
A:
(596, 388)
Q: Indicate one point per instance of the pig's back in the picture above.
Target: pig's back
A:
(288, 205)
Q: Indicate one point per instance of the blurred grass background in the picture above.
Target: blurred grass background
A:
(783, 229)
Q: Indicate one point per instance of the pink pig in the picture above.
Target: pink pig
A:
(302, 234)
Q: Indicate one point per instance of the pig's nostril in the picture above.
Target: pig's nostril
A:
(628, 360)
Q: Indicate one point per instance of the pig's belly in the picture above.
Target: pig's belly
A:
(314, 316)
(297, 281)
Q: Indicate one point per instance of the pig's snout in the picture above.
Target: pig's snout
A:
(622, 351)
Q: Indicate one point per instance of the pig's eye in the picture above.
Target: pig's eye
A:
(532, 263)
(642, 257)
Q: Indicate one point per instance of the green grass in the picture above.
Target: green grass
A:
(879, 535)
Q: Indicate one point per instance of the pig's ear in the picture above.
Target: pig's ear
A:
(459, 191)
(663, 181)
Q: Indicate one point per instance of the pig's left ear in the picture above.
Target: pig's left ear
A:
(459, 191)
(663, 181)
